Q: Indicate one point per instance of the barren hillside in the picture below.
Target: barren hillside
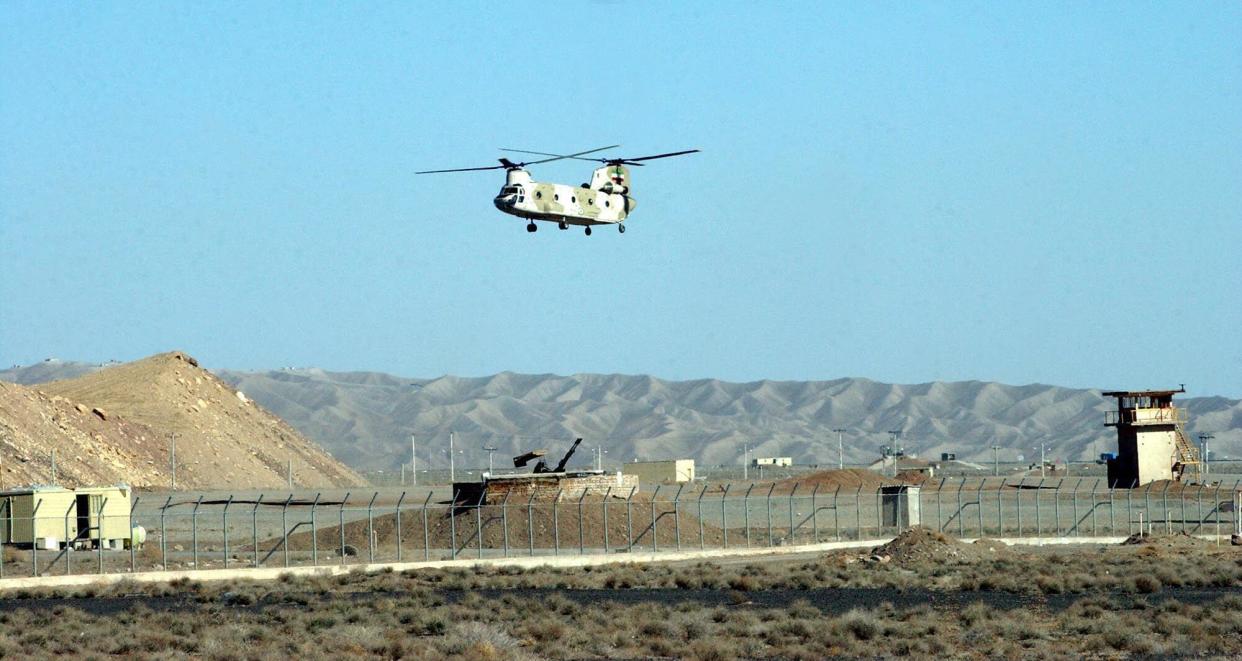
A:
(223, 439)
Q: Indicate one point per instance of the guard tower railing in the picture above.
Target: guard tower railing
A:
(1145, 416)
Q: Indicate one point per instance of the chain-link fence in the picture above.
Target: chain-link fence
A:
(309, 529)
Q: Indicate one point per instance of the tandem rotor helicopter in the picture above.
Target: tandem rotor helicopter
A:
(605, 200)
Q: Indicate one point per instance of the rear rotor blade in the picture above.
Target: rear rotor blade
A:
(648, 158)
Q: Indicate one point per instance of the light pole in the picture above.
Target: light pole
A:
(172, 458)
(490, 451)
(840, 449)
(452, 463)
(413, 462)
(745, 462)
(1042, 449)
(1203, 439)
(895, 435)
(996, 460)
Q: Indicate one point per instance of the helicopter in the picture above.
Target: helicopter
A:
(606, 200)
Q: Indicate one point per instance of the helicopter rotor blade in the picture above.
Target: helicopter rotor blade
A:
(557, 157)
(633, 161)
(493, 167)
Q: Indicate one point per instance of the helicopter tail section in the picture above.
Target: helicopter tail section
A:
(610, 179)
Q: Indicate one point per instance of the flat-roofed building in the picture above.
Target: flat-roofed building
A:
(661, 472)
(51, 516)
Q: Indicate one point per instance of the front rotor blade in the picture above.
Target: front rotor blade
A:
(494, 167)
(557, 157)
(672, 153)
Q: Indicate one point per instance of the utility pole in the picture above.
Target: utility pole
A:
(413, 462)
(490, 451)
(840, 449)
(1203, 439)
(745, 462)
(895, 435)
(452, 463)
(289, 473)
(996, 460)
(1042, 449)
(53, 466)
(172, 458)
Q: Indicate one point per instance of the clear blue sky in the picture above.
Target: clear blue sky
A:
(1022, 192)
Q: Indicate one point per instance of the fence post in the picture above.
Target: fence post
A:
(133, 553)
(341, 525)
(771, 488)
(1056, 508)
(164, 534)
(194, 529)
(939, 512)
(34, 545)
(284, 528)
(858, 513)
(1018, 502)
(629, 521)
(1094, 485)
(1182, 498)
(581, 545)
(1000, 508)
(1216, 510)
(961, 519)
(452, 512)
(224, 522)
(836, 511)
(1199, 503)
(1165, 498)
(504, 520)
(68, 569)
(426, 530)
(397, 515)
(677, 514)
(530, 523)
(724, 528)
(1130, 508)
(701, 494)
(655, 544)
(1112, 502)
(371, 528)
(478, 520)
(815, 514)
(556, 523)
(1039, 521)
(315, 532)
(604, 506)
(979, 503)
(99, 542)
(791, 512)
(254, 529)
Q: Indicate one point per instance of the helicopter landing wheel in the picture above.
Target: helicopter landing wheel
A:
(531, 227)
(621, 228)
(588, 231)
(562, 225)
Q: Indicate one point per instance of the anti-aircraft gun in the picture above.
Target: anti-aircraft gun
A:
(542, 466)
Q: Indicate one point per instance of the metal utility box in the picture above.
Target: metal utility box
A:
(48, 516)
(899, 506)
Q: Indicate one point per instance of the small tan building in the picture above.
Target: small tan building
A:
(47, 516)
(773, 461)
(661, 472)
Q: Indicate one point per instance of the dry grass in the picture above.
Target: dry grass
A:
(1125, 606)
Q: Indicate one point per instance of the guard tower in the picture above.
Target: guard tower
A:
(1150, 443)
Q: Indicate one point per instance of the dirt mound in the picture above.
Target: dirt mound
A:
(92, 447)
(549, 528)
(848, 479)
(912, 477)
(1173, 542)
(919, 545)
(223, 439)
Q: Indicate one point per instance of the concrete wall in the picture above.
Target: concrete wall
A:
(544, 487)
(1144, 454)
(657, 472)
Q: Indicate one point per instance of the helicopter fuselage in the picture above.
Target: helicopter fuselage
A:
(605, 201)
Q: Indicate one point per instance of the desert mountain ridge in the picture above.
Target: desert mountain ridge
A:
(117, 425)
(366, 418)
